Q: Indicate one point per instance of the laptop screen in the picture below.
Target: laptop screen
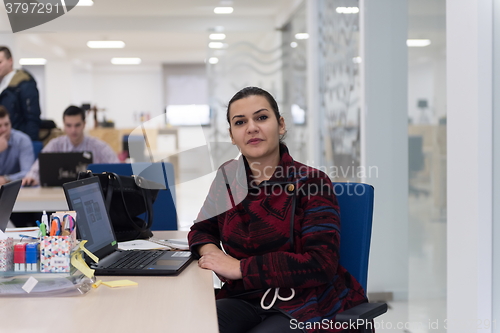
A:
(8, 195)
(59, 168)
(92, 219)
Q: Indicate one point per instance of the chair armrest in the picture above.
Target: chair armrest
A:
(362, 311)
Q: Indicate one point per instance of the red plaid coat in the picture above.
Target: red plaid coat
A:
(254, 225)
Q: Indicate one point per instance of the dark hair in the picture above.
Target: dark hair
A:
(6, 51)
(74, 111)
(3, 111)
(254, 91)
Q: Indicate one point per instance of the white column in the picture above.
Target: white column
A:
(469, 98)
(384, 136)
(496, 167)
(58, 82)
(314, 117)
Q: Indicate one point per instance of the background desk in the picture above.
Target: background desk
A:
(37, 199)
(183, 303)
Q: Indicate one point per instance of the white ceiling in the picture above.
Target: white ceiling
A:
(176, 31)
(158, 31)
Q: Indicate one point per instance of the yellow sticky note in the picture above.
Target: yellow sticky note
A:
(119, 283)
(79, 263)
(97, 284)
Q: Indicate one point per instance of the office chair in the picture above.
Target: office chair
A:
(356, 213)
(37, 148)
(165, 214)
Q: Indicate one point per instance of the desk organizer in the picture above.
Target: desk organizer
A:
(55, 254)
(6, 254)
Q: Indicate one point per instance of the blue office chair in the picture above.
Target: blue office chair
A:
(165, 214)
(37, 148)
(356, 213)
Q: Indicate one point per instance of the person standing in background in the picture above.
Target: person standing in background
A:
(19, 95)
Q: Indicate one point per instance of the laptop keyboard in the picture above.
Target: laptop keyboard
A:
(136, 259)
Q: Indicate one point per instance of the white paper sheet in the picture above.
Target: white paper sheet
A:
(141, 244)
(16, 232)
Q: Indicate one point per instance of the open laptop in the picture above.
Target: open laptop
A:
(59, 168)
(93, 224)
(8, 196)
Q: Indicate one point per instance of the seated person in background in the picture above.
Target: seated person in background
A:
(74, 141)
(279, 225)
(16, 150)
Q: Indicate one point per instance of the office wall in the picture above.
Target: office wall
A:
(469, 147)
(496, 166)
(124, 92)
(58, 88)
(384, 139)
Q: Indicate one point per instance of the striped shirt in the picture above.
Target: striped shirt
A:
(101, 151)
(17, 159)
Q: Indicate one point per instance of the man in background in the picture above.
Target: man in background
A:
(16, 150)
(19, 94)
(74, 141)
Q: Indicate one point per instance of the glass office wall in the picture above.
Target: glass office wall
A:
(294, 50)
(340, 85)
(254, 61)
(427, 163)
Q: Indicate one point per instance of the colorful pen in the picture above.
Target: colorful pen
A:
(45, 221)
(43, 231)
(27, 236)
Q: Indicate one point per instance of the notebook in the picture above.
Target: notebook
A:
(93, 224)
(59, 168)
(8, 196)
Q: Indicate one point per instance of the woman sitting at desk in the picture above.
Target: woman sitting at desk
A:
(278, 221)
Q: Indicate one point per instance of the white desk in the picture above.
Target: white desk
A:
(37, 199)
(183, 303)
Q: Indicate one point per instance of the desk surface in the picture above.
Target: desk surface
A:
(183, 303)
(37, 199)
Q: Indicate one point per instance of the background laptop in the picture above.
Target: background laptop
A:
(93, 224)
(8, 196)
(59, 168)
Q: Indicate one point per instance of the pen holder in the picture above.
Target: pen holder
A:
(6, 254)
(55, 254)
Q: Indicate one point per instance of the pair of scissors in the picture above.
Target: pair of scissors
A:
(55, 226)
(69, 222)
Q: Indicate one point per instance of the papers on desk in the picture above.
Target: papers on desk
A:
(141, 244)
(174, 244)
(16, 232)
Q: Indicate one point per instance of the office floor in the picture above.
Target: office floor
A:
(425, 309)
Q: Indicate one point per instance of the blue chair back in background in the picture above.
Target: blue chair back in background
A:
(165, 214)
(356, 213)
(37, 148)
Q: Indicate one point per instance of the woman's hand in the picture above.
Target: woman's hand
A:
(219, 262)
